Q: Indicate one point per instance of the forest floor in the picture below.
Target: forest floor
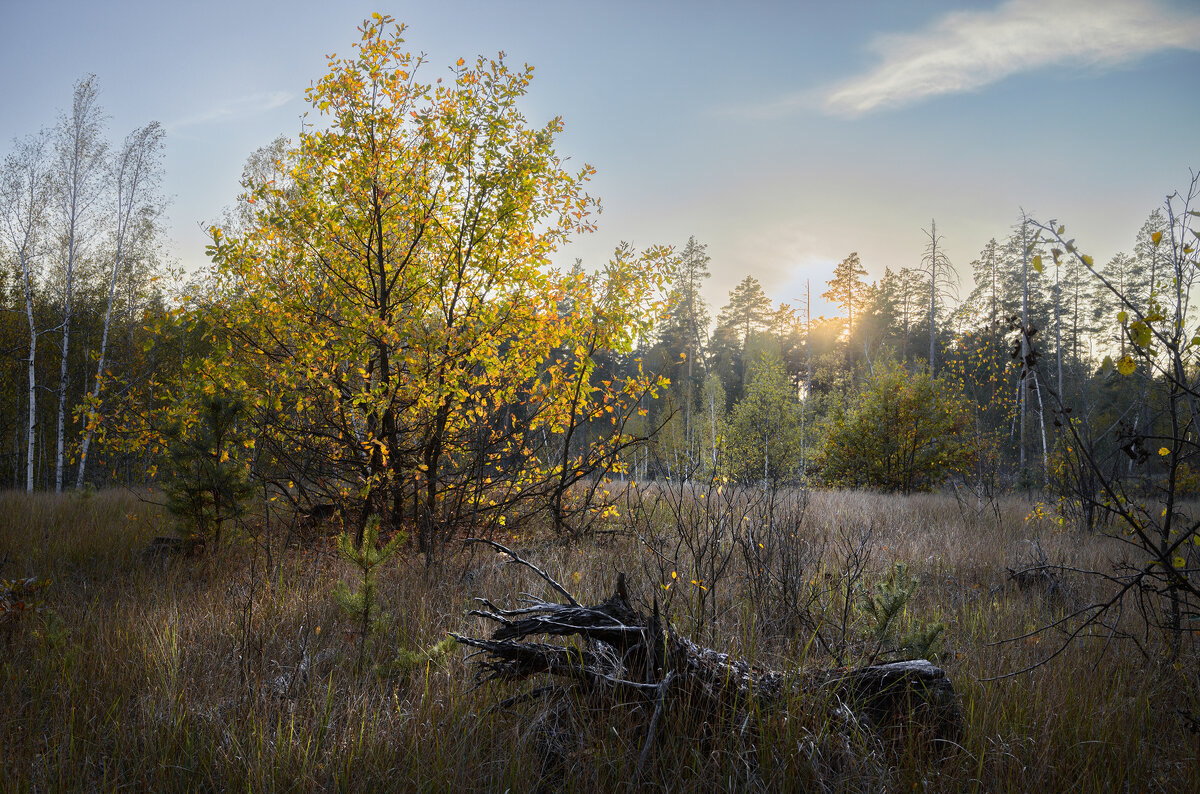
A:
(236, 669)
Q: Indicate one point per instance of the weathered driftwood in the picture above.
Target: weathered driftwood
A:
(630, 655)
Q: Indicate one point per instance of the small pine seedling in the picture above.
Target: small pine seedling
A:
(361, 604)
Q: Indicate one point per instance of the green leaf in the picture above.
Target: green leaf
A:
(1107, 364)
(1122, 317)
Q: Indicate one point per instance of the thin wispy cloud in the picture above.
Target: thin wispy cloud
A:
(967, 50)
(235, 108)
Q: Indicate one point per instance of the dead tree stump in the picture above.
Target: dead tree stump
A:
(627, 655)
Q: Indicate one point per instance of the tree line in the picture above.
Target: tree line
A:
(980, 383)
(382, 313)
(81, 255)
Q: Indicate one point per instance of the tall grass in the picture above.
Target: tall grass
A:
(237, 670)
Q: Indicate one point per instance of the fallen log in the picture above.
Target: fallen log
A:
(629, 655)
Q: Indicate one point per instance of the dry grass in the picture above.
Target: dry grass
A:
(187, 676)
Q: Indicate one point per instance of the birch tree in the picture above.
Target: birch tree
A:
(24, 194)
(80, 150)
(137, 171)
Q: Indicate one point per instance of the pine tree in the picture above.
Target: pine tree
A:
(362, 603)
(847, 288)
(209, 486)
(894, 305)
(684, 333)
(981, 311)
(748, 312)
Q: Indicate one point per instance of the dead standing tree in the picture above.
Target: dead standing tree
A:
(628, 656)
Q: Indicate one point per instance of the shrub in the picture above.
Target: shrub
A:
(904, 432)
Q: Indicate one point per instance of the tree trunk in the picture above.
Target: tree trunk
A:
(933, 265)
(1058, 330)
(1024, 385)
(63, 381)
(90, 416)
(135, 171)
(32, 403)
(80, 153)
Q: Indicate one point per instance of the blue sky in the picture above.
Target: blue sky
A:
(783, 134)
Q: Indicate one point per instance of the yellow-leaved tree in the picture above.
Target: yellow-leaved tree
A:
(389, 313)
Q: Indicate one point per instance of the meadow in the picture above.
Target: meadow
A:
(236, 668)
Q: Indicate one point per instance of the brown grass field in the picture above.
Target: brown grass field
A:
(236, 670)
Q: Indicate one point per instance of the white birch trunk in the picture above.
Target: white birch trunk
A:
(134, 172)
(80, 149)
(63, 382)
(32, 403)
(23, 196)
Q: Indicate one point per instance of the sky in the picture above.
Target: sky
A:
(784, 135)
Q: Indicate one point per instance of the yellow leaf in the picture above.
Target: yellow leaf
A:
(1179, 562)
(1156, 237)
(1087, 260)
(1164, 451)
(1126, 365)
(1037, 264)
